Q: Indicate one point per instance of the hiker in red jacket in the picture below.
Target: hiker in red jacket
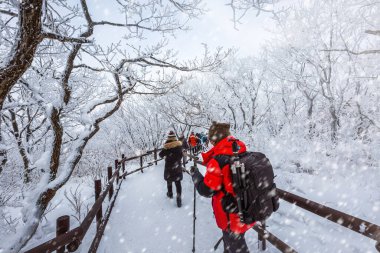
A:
(193, 141)
(217, 182)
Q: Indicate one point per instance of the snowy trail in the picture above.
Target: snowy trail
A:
(145, 220)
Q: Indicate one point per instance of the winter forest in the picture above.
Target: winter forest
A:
(85, 82)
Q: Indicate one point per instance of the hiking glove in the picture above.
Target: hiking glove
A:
(193, 169)
(198, 179)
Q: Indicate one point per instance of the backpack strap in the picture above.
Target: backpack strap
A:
(217, 243)
(223, 160)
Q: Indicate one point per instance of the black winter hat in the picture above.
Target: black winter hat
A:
(171, 137)
(218, 131)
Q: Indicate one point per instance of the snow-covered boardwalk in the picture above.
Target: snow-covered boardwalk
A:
(145, 220)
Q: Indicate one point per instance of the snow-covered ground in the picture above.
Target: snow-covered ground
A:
(145, 220)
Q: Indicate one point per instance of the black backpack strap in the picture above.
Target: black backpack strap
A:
(228, 198)
(217, 243)
(222, 160)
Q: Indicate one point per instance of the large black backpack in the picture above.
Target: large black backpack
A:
(259, 195)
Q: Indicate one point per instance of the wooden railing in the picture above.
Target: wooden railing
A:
(70, 240)
(358, 225)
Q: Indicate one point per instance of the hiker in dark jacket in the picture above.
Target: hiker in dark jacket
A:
(204, 142)
(199, 142)
(185, 144)
(172, 152)
(185, 147)
(217, 182)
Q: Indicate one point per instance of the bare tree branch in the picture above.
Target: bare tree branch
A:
(62, 38)
(10, 13)
(373, 32)
(375, 51)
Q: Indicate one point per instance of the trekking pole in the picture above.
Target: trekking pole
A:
(194, 216)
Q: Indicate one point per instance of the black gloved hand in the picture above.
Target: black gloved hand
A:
(193, 169)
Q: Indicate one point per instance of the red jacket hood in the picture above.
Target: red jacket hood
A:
(224, 147)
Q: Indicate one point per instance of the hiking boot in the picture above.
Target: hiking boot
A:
(179, 201)
(170, 195)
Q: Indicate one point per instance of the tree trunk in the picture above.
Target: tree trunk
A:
(310, 101)
(20, 145)
(57, 144)
(233, 115)
(334, 123)
(22, 54)
(3, 151)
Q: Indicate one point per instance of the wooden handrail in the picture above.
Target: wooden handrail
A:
(280, 245)
(358, 225)
(149, 152)
(127, 173)
(57, 242)
(100, 231)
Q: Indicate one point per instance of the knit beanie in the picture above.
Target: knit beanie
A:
(218, 131)
(171, 137)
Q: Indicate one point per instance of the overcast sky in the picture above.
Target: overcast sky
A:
(215, 28)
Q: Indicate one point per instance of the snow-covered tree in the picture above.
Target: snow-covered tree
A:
(67, 84)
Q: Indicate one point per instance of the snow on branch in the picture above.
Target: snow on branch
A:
(10, 13)
(241, 7)
(373, 32)
(189, 8)
(207, 63)
(364, 52)
(156, 28)
(61, 38)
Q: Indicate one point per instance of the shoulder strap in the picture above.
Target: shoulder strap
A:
(226, 159)
(217, 243)
(222, 160)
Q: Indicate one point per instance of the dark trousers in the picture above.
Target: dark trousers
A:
(234, 243)
(193, 150)
(177, 186)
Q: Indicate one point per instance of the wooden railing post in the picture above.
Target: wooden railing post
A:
(117, 176)
(109, 170)
(117, 171)
(123, 164)
(141, 163)
(98, 190)
(63, 225)
(155, 156)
